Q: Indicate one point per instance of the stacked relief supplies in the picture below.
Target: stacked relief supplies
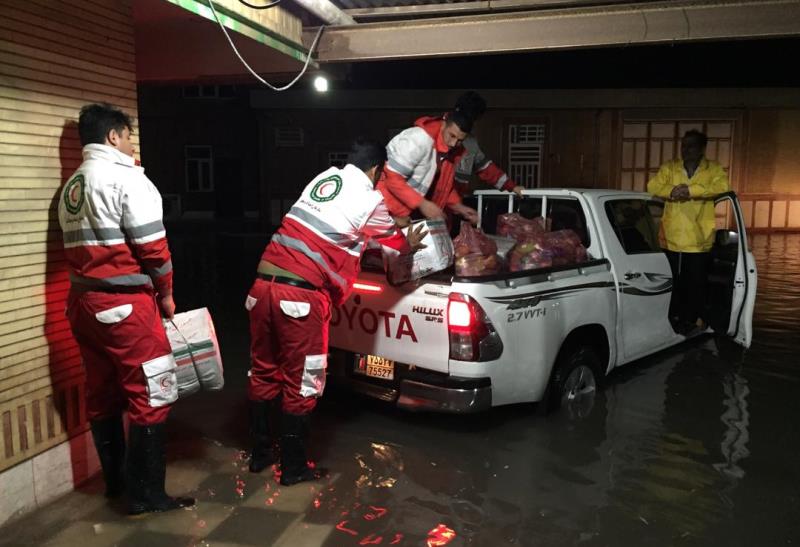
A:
(536, 247)
(524, 244)
(520, 244)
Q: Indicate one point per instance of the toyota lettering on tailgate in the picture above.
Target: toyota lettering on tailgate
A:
(371, 321)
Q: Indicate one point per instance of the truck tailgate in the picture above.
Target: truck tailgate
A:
(405, 324)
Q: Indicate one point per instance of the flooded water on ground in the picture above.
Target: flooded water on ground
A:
(693, 446)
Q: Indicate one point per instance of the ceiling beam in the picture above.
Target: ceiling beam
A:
(514, 100)
(235, 18)
(326, 11)
(467, 8)
(645, 23)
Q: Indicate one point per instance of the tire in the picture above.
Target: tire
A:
(574, 383)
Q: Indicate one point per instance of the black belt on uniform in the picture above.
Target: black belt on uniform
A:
(112, 289)
(288, 281)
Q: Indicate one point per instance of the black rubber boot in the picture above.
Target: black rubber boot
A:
(146, 470)
(262, 455)
(294, 463)
(109, 440)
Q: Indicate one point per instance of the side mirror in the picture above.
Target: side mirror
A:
(723, 238)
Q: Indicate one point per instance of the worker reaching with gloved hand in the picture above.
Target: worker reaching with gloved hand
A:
(309, 266)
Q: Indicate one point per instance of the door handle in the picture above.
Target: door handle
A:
(632, 275)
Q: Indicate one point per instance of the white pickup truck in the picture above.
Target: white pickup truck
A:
(465, 344)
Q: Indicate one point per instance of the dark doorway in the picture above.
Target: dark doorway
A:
(228, 184)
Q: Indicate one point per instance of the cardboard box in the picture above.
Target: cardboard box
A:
(437, 256)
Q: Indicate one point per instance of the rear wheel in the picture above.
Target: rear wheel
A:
(574, 383)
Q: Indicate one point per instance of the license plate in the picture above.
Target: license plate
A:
(375, 367)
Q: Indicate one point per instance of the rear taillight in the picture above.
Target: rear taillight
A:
(363, 286)
(472, 336)
(459, 315)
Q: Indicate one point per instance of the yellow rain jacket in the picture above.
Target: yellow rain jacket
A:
(688, 226)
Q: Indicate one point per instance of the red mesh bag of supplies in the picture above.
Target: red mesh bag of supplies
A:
(475, 253)
(529, 253)
(476, 265)
(471, 240)
(516, 226)
(565, 247)
(560, 248)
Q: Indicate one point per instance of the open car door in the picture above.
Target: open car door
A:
(732, 275)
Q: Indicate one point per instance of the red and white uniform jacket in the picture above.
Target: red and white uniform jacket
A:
(474, 161)
(418, 160)
(323, 235)
(111, 217)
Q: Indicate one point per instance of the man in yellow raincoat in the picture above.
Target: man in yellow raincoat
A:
(689, 185)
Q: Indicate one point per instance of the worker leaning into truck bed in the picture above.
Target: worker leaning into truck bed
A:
(309, 265)
(420, 168)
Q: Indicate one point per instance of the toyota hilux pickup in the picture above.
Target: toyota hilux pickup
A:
(463, 344)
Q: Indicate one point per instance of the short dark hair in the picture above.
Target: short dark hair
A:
(366, 154)
(461, 119)
(471, 104)
(97, 119)
(695, 134)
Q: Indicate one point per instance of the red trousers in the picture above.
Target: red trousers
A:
(126, 354)
(288, 344)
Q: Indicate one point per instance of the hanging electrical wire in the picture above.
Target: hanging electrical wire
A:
(249, 5)
(253, 72)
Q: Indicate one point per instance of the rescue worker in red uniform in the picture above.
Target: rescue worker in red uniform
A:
(310, 265)
(474, 161)
(420, 169)
(121, 277)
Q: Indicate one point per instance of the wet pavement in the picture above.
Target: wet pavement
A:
(693, 446)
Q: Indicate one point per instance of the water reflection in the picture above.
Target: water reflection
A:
(737, 421)
(693, 445)
(775, 344)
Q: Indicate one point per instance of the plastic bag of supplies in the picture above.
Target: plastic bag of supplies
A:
(194, 346)
(565, 246)
(476, 253)
(560, 248)
(529, 254)
(516, 226)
